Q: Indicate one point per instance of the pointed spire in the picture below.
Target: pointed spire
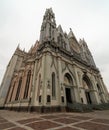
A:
(18, 46)
(80, 41)
(60, 29)
(36, 43)
(83, 42)
(24, 50)
(65, 34)
(71, 34)
(49, 16)
(18, 49)
(48, 26)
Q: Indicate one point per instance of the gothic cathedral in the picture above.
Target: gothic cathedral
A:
(58, 73)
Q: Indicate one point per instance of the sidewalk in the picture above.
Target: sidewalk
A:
(11, 120)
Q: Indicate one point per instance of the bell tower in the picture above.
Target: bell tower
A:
(48, 28)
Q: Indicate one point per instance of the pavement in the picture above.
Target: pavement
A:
(11, 120)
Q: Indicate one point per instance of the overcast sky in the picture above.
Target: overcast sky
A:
(20, 22)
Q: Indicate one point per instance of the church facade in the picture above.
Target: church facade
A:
(57, 73)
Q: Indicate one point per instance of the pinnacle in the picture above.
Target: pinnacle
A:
(71, 34)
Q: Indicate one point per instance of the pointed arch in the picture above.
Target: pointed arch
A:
(69, 89)
(68, 79)
(87, 85)
(86, 82)
(18, 89)
(67, 69)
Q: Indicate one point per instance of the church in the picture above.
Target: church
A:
(58, 73)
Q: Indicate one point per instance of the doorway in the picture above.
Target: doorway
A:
(88, 97)
(68, 95)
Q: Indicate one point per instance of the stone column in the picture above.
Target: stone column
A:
(59, 82)
(76, 93)
(34, 85)
(43, 74)
(46, 77)
(83, 95)
(24, 77)
(15, 90)
(76, 89)
(81, 88)
(104, 95)
(106, 91)
(94, 95)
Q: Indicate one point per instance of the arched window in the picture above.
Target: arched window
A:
(18, 89)
(27, 85)
(53, 85)
(68, 79)
(87, 83)
(39, 85)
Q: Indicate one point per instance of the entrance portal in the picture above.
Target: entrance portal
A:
(88, 98)
(87, 85)
(68, 95)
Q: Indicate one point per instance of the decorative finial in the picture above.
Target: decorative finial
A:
(70, 29)
(18, 46)
(24, 50)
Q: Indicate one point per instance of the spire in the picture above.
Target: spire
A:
(48, 27)
(49, 16)
(71, 34)
(18, 46)
(60, 29)
(83, 43)
(23, 49)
